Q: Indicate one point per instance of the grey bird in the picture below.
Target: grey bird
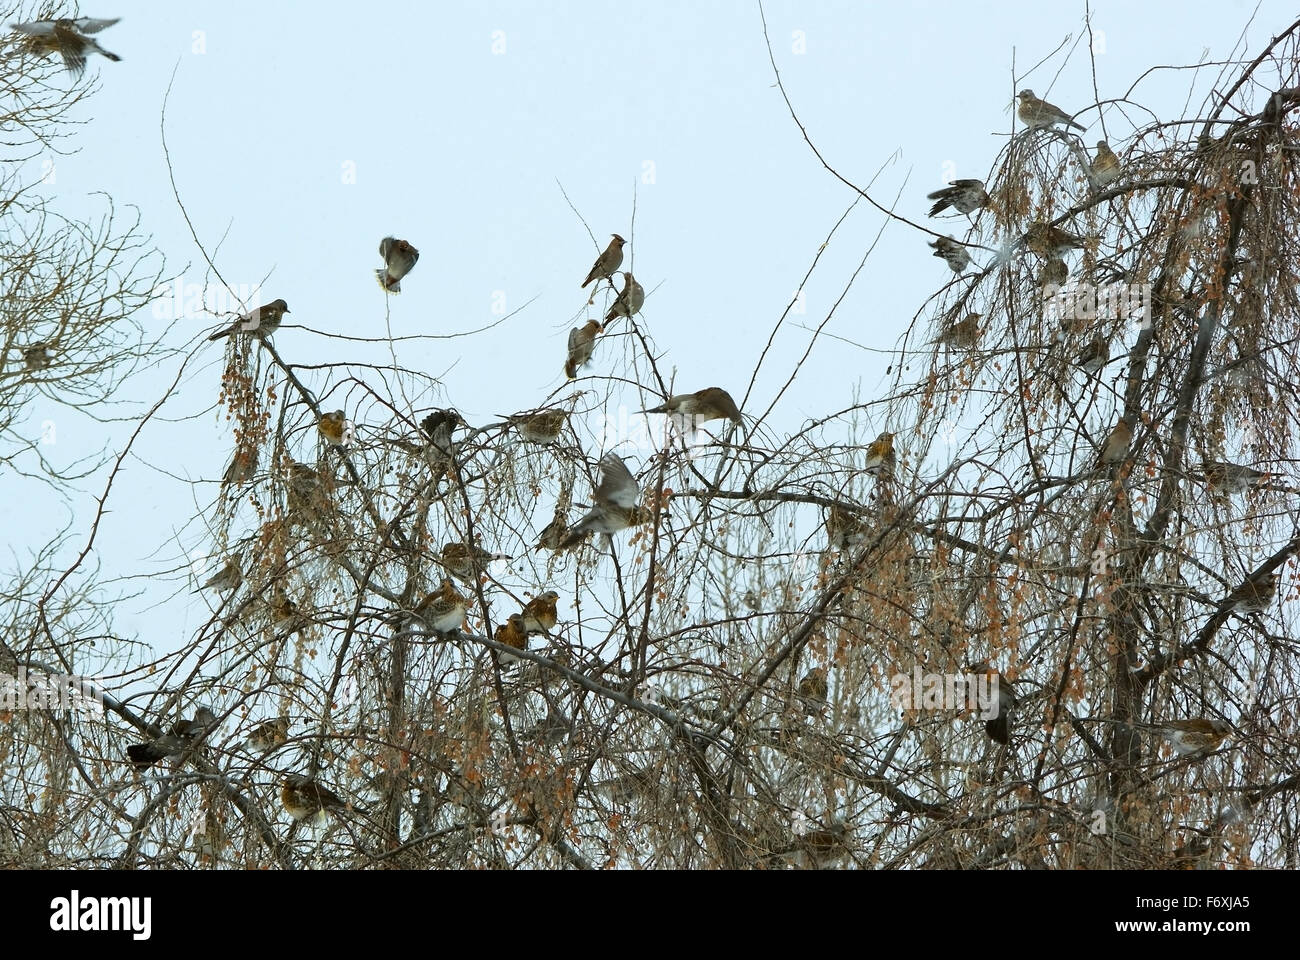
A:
(964, 196)
(67, 38)
(1039, 113)
(616, 504)
(399, 259)
(260, 322)
(629, 301)
(953, 253)
(607, 262)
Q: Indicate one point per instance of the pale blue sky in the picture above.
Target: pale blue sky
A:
(459, 149)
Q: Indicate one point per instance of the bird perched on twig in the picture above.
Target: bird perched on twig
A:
(333, 427)
(821, 846)
(1255, 595)
(1105, 165)
(997, 726)
(511, 634)
(539, 426)
(1094, 355)
(953, 253)
(540, 615)
(711, 403)
(1232, 477)
(1054, 273)
(582, 343)
(467, 561)
(881, 458)
(399, 260)
(1116, 447)
(229, 577)
(961, 334)
(609, 261)
(1048, 241)
(36, 356)
(307, 799)
(845, 529)
(553, 533)
(964, 196)
(268, 735)
(629, 300)
(184, 735)
(1197, 734)
(67, 38)
(1037, 113)
(444, 609)
(262, 322)
(439, 426)
(616, 506)
(243, 465)
(812, 691)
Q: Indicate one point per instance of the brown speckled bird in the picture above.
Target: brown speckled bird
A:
(845, 530)
(261, 322)
(333, 427)
(444, 609)
(1232, 477)
(965, 196)
(1116, 447)
(512, 634)
(66, 37)
(998, 726)
(881, 459)
(629, 300)
(1095, 355)
(1054, 273)
(609, 261)
(953, 253)
(616, 504)
(582, 343)
(268, 735)
(812, 691)
(465, 561)
(1255, 595)
(1200, 733)
(1035, 113)
(36, 356)
(961, 334)
(553, 533)
(1048, 241)
(243, 465)
(539, 614)
(539, 426)
(1105, 165)
(711, 403)
(307, 799)
(229, 577)
(184, 734)
(399, 259)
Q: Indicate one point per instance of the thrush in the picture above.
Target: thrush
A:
(261, 322)
(243, 465)
(182, 736)
(881, 458)
(1255, 595)
(268, 735)
(1200, 733)
(616, 504)
(511, 634)
(582, 342)
(607, 262)
(629, 300)
(305, 493)
(467, 561)
(812, 691)
(444, 609)
(964, 196)
(333, 427)
(821, 846)
(998, 727)
(952, 252)
(229, 577)
(961, 334)
(1232, 477)
(1037, 113)
(844, 529)
(67, 38)
(1117, 444)
(439, 426)
(540, 426)
(399, 259)
(1054, 273)
(1048, 241)
(36, 356)
(1105, 165)
(285, 616)
(711, 403)
(540, 614)
(553, 533)
(1095, 355)
(304, 798)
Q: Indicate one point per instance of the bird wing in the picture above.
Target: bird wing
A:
(617, 485)
(93, 25)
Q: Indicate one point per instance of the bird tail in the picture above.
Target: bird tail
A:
(218, 335)
(662, 408)
(1077, 126)
(392, 286)
(111, 56)
(998, 729)
(571, 370)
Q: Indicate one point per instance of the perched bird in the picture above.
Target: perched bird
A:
(711, 403)
(1037, 113)
(812, 691)
(242, 467)
(629, 300)
(1232, 477)
(1116, 447)
(399, 259)
(438, 426)
(540, 426)
(268, 735)
(845, 529)
(961, 334)
(616, 504)
(229, 577)
(952, 252)
(511, 634)
(1255, 595)
(67, 38)
(582, 342)
(184, 734)
(539, 614)
(305, 496)
(1200, 733)
(1105, 165)
(821, 846)
(261, 322)
(333, 427)
(444, 609)
(285, 615)
(553, 533)
(36, 356)
(307, 799)
(1048, 241)
(1095, 355)
(965, 196)
(1054, 273)
(998, 726)
(881, 458)
(467, 561)
(607, 262)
